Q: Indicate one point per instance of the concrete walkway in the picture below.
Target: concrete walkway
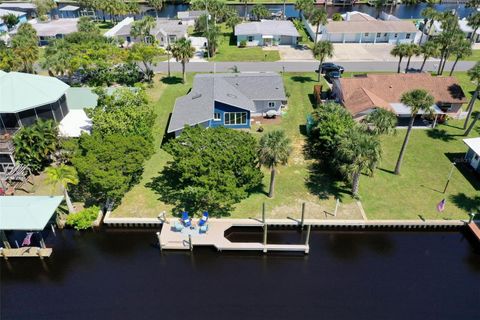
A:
(366, 52)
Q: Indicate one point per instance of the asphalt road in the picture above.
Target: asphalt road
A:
(360, 66)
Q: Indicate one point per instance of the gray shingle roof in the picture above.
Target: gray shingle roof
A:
(267, 27)
(235, 89)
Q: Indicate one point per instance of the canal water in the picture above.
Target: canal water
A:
(121, 274)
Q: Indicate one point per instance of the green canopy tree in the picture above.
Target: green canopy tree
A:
(381, 121)
(318, 18)
(400, 50)
(232, 20)
(303, 6)
(430, 15)
(274, 149)
(10, 20)
(462, 49)
(474, 75)
(183, 51)
(429, 50)
(44, 7)
(418, 100)
(474, 23)
(259, 11)
(211, 169)
(147, 54)
(212, 35)
(85, 24)
(411, 50)
(141, 28)
(25, 47)
(358, 152)
(63, 175)
(322, 50)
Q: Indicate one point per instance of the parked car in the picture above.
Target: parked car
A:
(330, 76)
(329, 67)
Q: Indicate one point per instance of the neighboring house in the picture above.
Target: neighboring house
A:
(28, 97)
(69, 11)
(54, 29)
(358, 27)
(462, 24)
(472, 157)
(228, 100)
(22, 18)
(189, 17)
(166, 32)
(362, 94)
(29, 8)
(267, 33)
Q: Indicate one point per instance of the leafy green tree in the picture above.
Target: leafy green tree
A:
(10, 20)
(337, 17)
(411, 50)
(232, 20)
(446, 40)
(318, 18)
(216, 8)
(379, 4)
(274, 149)
(211, 169)
(331, 121)
(474, 75)
(400, 50)
(61, 59)
(212, 35)
(63, 175)
(108, 166)
(84, 219)
(156, 4)
(322, 50)
(462, 49)
(430, 15)
(303, 6)
(418, 100)
(429, 50)
(25, 47)
(474, 23)
(260, 12)
(125, 112)
(358, 152)
(201, 24)
(36, 144)
(141, 28)
(8, 61)
(148, 55)
(44, 7)
(381, 121)
(85, 24)
(183, 51)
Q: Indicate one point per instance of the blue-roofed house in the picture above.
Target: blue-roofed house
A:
(229, 100)
(69, 11)
(22, 18)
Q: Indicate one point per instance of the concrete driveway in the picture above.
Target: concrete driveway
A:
(289, 53)
(365, 52)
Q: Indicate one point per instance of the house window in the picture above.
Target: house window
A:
(395, 35)
(407, 36)
(217, 116)
(271, 104)
(379, 35)
(233, 118)
(385, 34)
(366, 34)
(172, 39)
(250, 38)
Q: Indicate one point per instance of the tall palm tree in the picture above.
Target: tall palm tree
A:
(430, 15)
(274, 149)
(462, 49)
(429, 50)
(232, 20)
(474, 23)
(418, 100)
(318, 18)
(183, 51)
(303, 5)
(474, 75)
(358, 152)
(157, 5)
(322, 50)
(381, 121)
(400, 51)
(142, 28)
(246, 9)
(472, 124)
(413, 49)
(63, 175)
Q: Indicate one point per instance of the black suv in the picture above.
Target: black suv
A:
(329, 67)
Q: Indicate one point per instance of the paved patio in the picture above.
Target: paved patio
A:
(289, 53)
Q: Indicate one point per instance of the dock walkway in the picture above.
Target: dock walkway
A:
(475, 230)
(25, 252)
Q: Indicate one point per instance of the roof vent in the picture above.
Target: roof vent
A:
(391, 87)
(231, 95)
(196, 96)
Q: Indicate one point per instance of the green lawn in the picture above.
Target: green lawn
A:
(474, 57)
(228, 50)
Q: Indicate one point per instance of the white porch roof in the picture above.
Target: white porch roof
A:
(474, 144)
(404, 110)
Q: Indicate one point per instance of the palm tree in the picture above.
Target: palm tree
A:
(303, 5)
(322, 50)
(474, 75)
(381, 121)
(246, 9)
(474, 23)
(260, 11)
(379, 4)
(429, 14)
(429, 49)
(212, 35)
(274, 149)
(157, 5)
(418, 100)
(142, 28)
(318, 18)
(400, 51)
(358, 152)
(472, 124)
(183, 51)
(233, 20)
(411, 49)
(63, 175)
(461, 49)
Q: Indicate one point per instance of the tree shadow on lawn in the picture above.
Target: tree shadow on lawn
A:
(324, 184)
(440, 134)
(303, 79)
(171, 80)
(465, 169)
(469, 204)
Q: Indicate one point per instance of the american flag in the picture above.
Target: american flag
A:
(27, 240)
(441, 205)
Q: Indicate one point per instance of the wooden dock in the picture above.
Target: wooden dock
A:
(25, 252)
(170, 239)
(475, 230)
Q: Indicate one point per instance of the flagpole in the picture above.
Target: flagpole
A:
(449, 177)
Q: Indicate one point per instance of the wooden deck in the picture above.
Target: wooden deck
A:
(476, 231)
(25, 252)
(215, 236)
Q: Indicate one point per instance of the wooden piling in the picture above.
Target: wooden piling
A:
(263, 212)
(303, 215)
(190, 245)
(307, 240)
(159, 241)
(265, 238)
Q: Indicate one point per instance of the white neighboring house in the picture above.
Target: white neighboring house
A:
(462, 24)
(189, 17)
(166, 32)
(267, 33)
(358, 27)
